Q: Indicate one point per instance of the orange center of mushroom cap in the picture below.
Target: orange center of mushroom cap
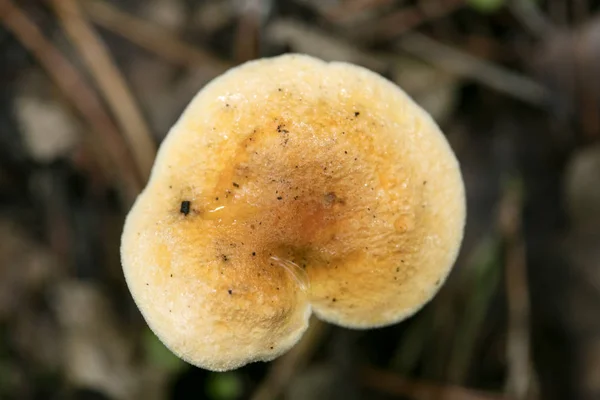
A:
(310, 189)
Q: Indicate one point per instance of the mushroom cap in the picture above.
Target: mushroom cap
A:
(290, 185)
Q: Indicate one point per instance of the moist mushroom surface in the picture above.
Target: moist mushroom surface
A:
(291, 185)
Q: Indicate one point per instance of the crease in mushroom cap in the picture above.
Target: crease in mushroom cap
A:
(284, 169)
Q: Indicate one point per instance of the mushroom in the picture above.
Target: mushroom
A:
(289, 186)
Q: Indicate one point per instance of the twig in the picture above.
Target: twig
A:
(111, 83)
(457, 62)
(396, 385)
(282, 370)
(517, 346)
(247, 38)
(74, 87)
(150, 36)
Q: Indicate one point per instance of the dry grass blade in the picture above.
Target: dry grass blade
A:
(81, 96)
(150, 36)
(457, 62)
(393, 384)
(111, 83)
(283, 369)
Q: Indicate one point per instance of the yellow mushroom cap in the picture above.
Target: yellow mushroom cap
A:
(291, 185)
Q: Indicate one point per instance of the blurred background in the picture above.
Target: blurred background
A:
(89, 88)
